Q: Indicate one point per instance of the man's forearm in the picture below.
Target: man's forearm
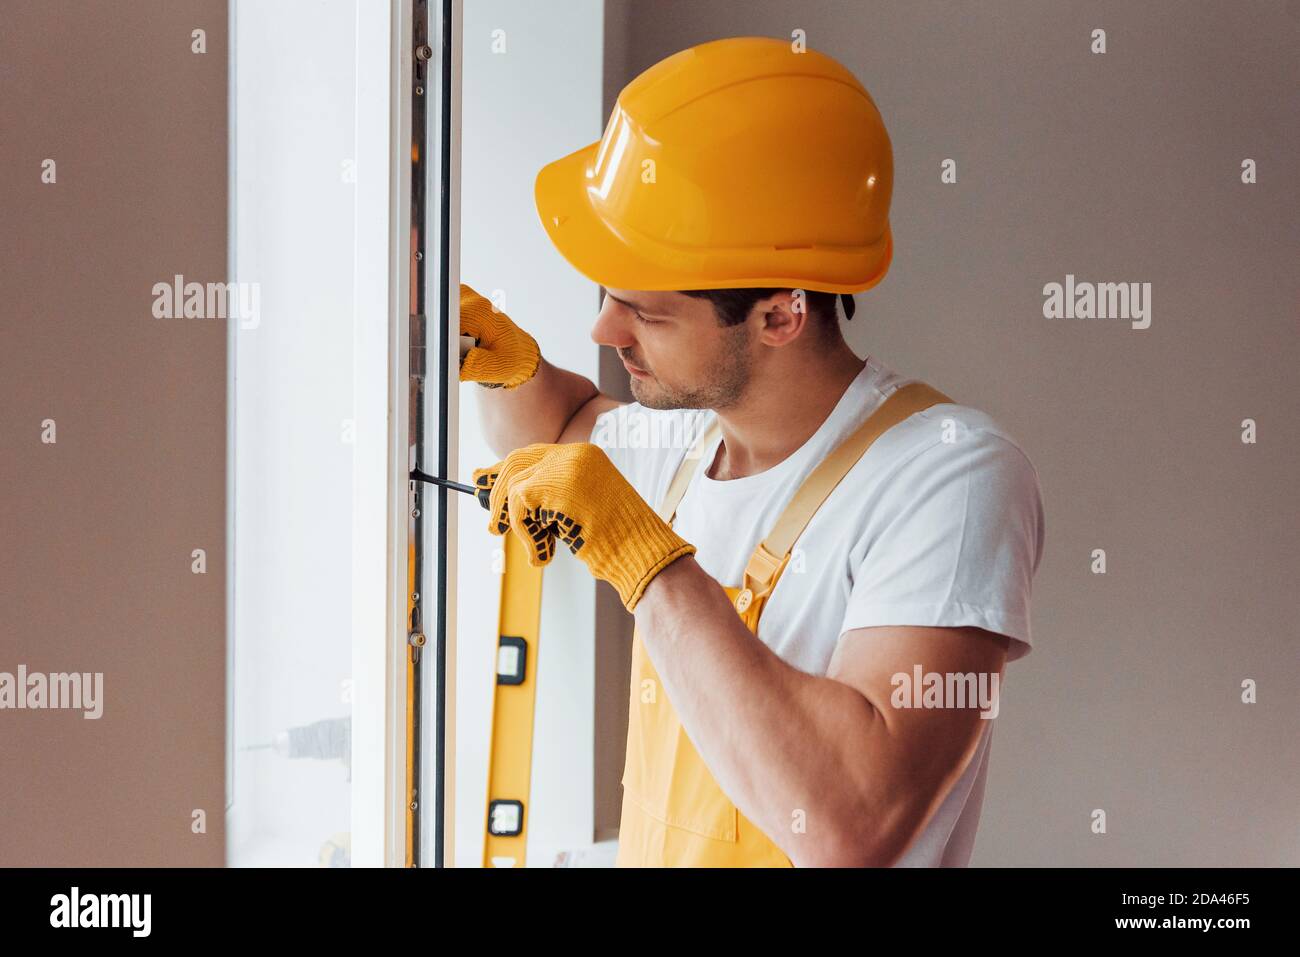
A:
(536, 411)
(787, 747)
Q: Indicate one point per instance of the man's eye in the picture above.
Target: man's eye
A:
(648, 322)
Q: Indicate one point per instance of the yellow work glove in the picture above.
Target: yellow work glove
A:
(573, 492)
(505, 356)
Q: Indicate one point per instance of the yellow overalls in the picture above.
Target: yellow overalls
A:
(674, 812)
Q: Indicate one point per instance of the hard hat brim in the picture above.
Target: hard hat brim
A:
(611, 256)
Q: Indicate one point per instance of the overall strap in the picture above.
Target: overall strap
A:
(772, 552)
(677, 488)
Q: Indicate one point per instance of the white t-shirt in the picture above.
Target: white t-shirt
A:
(940, 523)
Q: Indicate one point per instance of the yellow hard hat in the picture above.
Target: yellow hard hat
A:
(736, 163)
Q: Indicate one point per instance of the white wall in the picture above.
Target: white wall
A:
(533, 103)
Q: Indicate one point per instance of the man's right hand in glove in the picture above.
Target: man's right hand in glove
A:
(573, 492)
(505, 356)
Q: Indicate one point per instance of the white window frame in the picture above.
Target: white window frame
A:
(382, 278)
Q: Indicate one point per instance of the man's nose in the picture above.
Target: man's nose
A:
(612, 327)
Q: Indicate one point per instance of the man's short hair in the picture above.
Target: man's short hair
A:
(733, 306)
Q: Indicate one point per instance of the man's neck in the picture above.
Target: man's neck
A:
(781, 409)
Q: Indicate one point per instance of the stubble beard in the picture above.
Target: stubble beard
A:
(727, 381)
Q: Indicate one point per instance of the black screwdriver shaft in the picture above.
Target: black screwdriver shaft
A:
(480, 494)
(434, 480)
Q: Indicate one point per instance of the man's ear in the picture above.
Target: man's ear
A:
(785, 316)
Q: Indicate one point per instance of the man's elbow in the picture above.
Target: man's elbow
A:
(860, 839)
(852, 852)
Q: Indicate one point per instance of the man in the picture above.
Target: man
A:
(804, 537)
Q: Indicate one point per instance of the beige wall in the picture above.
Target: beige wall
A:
(98, 528)
(1115, 167)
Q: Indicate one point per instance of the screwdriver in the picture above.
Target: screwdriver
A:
(482, 494)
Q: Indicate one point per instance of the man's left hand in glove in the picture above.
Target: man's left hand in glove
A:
(573, 492)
